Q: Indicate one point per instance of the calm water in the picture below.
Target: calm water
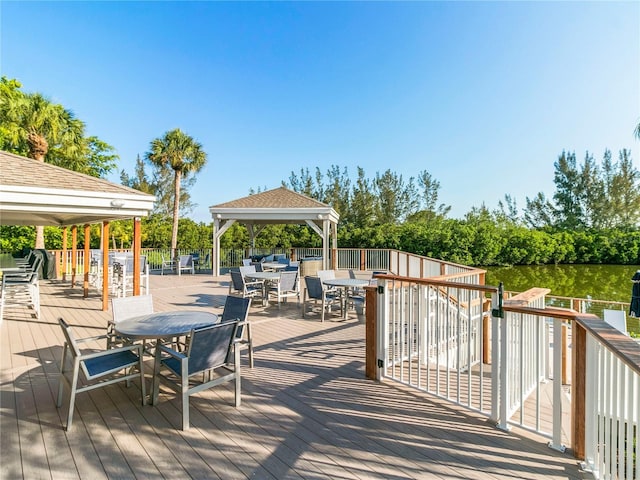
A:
(600, 282)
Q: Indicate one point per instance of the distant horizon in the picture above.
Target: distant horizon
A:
(482, 95)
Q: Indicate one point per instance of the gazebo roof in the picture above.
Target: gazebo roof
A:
(279, 205)
(37, 193)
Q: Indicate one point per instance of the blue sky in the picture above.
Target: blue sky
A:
(482, 95)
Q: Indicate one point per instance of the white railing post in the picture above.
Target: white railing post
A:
(495, 359)
(382, 328)
(556, 440)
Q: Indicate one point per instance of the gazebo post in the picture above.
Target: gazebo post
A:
(87, 258)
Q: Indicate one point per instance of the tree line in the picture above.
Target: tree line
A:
(592, 217)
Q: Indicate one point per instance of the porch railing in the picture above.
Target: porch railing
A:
(458, 339)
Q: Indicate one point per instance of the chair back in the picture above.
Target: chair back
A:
(186, 261)
(236, 308)
(237, 281)
(69, 338)
(326, 275)
(37, 263)
(288, 281)
(258, 266)
(123, 308)
(248, 269)
(314, 287)
(246, 262)
(617, 319)
(209, 347)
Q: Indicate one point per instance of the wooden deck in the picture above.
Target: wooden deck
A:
(307, 412)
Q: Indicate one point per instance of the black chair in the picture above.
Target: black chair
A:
(211, 349)
(236, 308)
(316, 291)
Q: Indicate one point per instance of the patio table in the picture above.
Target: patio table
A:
(346, 284)
(161, 325)
(274, 266)
(264, 277)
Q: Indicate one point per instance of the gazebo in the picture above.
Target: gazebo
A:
(277, 206)
(37, 193)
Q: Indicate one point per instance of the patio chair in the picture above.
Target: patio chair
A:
(210, 350)
(246, 262)
(20, 290)
(327, 275)
(617, 319)
(99, 368)
(236, 308)
(316, 291)
(247, 269)
(286, 287)
(238, 286)
(185, 264)
(124, 308)
(169, 264)
(258, 266)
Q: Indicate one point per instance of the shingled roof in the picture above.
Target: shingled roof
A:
(277, 198)
(37, 193)
(19, 171)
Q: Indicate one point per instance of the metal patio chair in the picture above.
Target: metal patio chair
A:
(236, 308)
(99, 368)
(211, 349)
(315, 291)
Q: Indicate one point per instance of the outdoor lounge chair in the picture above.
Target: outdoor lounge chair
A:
(20, 290)
(168, 264)
(238, 286)
(124, 308)
(99, 369)
(211, 350)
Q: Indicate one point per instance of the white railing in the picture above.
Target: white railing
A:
(612, 410)
(432, 335)
(523, 341)
(431, 338)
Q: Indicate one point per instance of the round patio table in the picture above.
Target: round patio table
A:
(274, 265)
(346, 284)
(165, 324)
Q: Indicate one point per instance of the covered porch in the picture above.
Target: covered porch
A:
(307, 409)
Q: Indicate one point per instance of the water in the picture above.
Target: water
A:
(600, 282)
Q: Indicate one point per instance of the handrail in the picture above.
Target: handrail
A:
(441, 283)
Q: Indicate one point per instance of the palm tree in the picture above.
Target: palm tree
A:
(637, 131)
(34, 125)
(179, 152)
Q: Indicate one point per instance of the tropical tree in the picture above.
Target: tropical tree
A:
(34, 125)
(178, 152)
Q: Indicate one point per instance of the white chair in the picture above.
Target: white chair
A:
(124, 308)
(286, 287)
(617, 319)
(169, 264)
(20, 290)
(104, 367)
(185, 264)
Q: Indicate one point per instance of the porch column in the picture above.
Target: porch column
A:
(87, 258)
(136, 256)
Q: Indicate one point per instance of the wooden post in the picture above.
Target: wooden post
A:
(105, 266)
(363, 259)
(292, 254)
(334, 259)
(136, 256)
(578, 389)
(87, 258)
(64, 254)
(371, 345)
(74, 254)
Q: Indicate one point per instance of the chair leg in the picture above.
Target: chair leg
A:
(72, 393)
(250, 344)
(61, 381)
(143, 386)
(238, 378)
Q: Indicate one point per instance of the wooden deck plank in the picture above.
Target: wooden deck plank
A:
(307, 412)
